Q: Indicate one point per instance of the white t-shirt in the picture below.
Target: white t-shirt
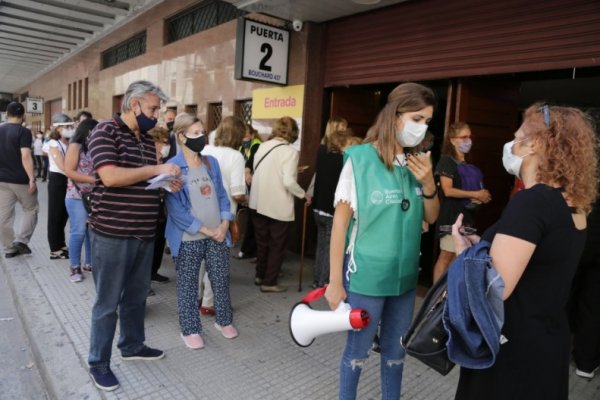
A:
(231, 163)
(62, 149)
(37, 147)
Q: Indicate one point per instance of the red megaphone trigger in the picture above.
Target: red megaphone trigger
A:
(359, 318)
(314, 295)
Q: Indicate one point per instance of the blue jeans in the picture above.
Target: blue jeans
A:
(78, 233)
(393, 315)
(122, 278)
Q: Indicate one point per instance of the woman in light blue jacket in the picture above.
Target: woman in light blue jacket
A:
(198, 229)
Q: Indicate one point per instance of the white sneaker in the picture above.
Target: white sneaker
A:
(76, 275)
(584, 374)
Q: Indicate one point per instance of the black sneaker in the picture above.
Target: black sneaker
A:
(22, 247)
(146, 353)
(104, 378)
(160, 278)
(11, 252)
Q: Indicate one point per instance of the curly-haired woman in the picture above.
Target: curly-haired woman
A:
(535, 247)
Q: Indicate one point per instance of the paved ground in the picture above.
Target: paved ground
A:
(263, 363)
(19, 374)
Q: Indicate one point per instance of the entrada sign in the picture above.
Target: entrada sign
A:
(261, 52)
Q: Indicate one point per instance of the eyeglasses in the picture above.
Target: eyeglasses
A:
(545, 109)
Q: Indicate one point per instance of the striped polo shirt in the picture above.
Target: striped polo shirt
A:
(129, 211)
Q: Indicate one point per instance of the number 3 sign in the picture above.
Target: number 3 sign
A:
(261, 52)
(35, 106)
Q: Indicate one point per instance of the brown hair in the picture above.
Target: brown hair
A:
(230, 133)
(337, 140)
(250, 129)
(335, 124)
(406, 97)
(159, 133)
(567, 150)
(285, 128)
(454, 130)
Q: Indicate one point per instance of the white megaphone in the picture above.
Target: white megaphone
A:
(306, 324)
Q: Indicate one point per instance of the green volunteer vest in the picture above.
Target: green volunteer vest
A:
(384, 260)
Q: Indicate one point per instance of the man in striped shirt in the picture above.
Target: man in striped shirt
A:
(123, 224)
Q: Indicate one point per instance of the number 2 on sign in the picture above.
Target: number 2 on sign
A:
(268, 50)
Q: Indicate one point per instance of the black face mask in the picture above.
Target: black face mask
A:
(196, 144)
(170, 125)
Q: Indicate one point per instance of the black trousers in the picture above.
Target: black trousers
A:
(160, 241)
(585, 309)
(271, 245)
(248, 246)
(57, 211)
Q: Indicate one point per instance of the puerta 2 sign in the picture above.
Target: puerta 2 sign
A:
(261, 52)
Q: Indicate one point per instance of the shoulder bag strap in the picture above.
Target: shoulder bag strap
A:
(274, 147)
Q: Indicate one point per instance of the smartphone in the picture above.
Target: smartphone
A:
(464, 230)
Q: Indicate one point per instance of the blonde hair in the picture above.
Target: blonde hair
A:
(182, 123)
(230, 133)
(568, 151)
(285, 128)
(406, 97)
(335, 124)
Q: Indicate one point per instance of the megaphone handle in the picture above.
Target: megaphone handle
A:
(314, 295)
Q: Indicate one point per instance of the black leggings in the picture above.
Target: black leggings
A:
(57, 212)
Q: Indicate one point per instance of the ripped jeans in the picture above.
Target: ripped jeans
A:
(393, 314)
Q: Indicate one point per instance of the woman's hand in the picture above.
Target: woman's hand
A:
(421, 167)
(308, 200)
(248, 176)
(335, 294)
(462, 242)
(220, 232)
(483, 196)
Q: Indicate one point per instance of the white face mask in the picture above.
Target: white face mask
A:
(512, 163)
(164, 151)
(412, 134)
(67, 133)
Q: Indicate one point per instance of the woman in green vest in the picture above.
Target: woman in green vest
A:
(383, 195)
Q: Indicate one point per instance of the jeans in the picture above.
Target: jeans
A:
(393, 315)
(324, 224)
(122, 278)
(78, 234)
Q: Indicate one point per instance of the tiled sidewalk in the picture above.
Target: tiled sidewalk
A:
(262, 363)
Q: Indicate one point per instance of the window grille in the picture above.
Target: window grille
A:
(243, 110)
(191, 109)
(215, 113)
(124, 51)
(196, 19)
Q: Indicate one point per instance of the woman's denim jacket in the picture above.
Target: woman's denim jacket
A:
(179, 206)
(474, 311)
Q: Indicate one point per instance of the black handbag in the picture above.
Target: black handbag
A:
(426, 337)
(86, 198)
